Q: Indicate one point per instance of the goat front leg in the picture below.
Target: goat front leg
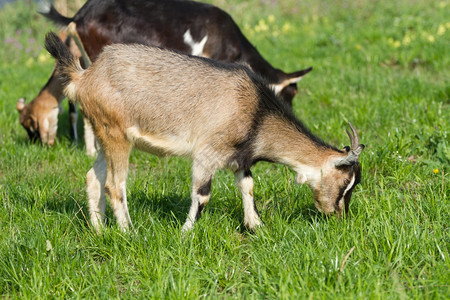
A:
(95, 187)
(116, 177)
(201, 192)
(244, 181)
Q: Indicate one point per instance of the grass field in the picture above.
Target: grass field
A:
(383, 65)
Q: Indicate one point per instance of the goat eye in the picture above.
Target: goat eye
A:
(346, 181)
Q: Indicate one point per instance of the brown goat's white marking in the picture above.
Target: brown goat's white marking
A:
(349, 187)
(306, 174)
(159, 145)
(278, 87)
(197, 47)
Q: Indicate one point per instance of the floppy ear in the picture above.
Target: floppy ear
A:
(290, 79)
(20, 104)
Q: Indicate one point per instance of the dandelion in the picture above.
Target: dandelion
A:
(397, 44)
(358, 47)
(441, 30)
(42, 58)
(271, 18)
(286, 27)
(261, 26)
(430, 38)
(435, 171)
(406, 40)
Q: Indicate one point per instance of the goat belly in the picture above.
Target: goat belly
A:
(158, 144)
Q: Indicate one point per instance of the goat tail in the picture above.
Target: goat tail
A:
(47, 9)
(68, 67)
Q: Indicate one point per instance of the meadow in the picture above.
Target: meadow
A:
(383, 65)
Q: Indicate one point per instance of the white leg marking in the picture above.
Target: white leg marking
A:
(96, 179)
(197, 201)
(197, 47)
(120, 208)
(245, 185)
(201, 179)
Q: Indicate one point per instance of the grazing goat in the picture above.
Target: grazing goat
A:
(221, 115)
(192, 27)
(40, 116)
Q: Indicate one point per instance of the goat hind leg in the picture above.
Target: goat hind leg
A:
(89, 138)
(115, 187)
(95, 187)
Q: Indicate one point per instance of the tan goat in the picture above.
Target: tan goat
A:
(221, 115)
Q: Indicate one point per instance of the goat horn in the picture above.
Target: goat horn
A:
(351, 158)
(354, 140)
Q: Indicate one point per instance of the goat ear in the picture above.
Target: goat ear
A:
(20, 104)
(290, 79)
(298, 75)
(351, 158)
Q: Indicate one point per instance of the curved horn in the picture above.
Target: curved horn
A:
(353, 155)
(354, 140)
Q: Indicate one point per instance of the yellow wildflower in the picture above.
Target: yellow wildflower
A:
(271, 18)
(431, 38)
(358, 47)
(42, 58)
(286, 27)
(406, 40)
(435, 171)
(447, 25)
(397, 44)
(441, 30)
(261, 26)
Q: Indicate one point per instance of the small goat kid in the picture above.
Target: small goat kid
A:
(221, 115)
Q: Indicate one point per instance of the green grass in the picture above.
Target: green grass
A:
(383, 65)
